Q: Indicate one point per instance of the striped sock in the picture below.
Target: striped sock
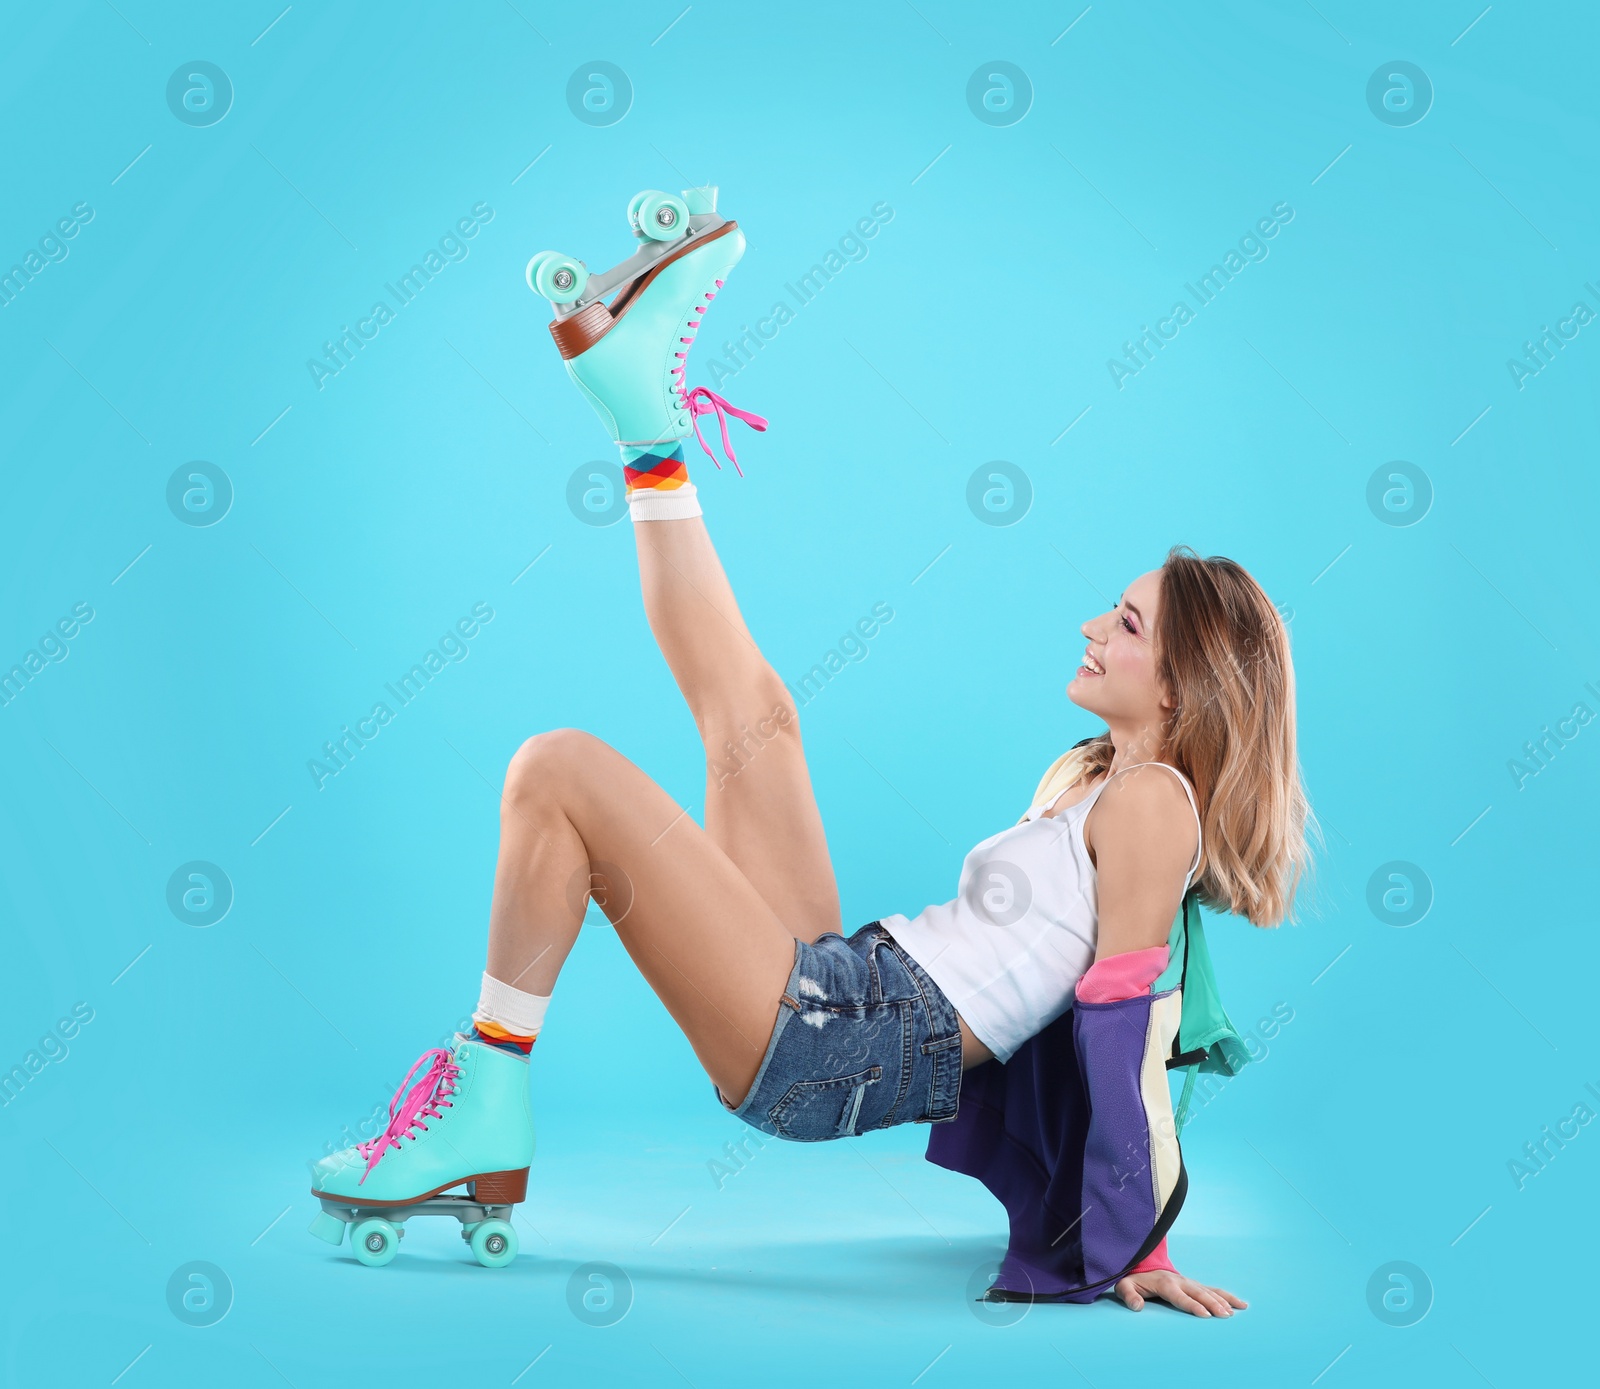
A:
(508, 1018)
(658, 483)
(495, 1036)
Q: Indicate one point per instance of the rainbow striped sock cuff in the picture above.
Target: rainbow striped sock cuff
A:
(658, 483)
(661, 467)
(497, 1036)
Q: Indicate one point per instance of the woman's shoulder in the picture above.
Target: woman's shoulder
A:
(1145, 809)
(1143, 840)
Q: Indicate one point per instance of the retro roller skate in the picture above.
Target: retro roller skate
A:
(466, 1122)
(629, 356)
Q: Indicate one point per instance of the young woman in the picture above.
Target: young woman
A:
(807, 1034)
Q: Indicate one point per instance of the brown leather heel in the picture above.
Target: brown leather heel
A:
(579, 332)
(501, 1188)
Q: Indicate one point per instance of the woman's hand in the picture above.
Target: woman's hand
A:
(1177, 1291)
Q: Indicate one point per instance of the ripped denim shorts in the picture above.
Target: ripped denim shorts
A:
(864, 1040)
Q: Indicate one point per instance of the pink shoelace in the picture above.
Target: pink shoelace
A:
(407, 1110)
(702, 400)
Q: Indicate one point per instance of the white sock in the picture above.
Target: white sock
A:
(652, 504)
(510, 1010)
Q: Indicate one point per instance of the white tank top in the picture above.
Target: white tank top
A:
(1009, 949)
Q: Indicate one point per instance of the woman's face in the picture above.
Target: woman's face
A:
(1117, 679)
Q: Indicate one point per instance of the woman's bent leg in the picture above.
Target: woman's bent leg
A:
(760, 808)
(577, 813)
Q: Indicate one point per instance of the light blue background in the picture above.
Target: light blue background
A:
(430, 473)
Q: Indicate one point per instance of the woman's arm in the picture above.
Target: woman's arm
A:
(1143, 841)
(1141, 837)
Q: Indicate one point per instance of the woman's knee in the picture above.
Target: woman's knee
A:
(544, 769)
(761, 711)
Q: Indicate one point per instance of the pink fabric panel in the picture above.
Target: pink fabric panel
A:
(1155, 1259)
(1123, 976)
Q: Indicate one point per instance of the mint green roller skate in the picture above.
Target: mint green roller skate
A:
(629, 356)
(466, 1122)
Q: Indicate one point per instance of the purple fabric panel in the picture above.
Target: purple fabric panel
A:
(1058, 1131)
(1020, 1131)
(1118, 1199)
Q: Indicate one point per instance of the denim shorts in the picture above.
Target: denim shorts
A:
(864, 1040)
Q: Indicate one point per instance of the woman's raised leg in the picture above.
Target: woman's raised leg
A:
(578, 817)
(760, 809)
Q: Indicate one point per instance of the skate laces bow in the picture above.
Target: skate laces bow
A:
(702, 400)
(409, 1108)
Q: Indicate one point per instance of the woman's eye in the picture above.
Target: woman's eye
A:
(1128, 625)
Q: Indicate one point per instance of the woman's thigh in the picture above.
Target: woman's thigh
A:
(761, 810)
(714, 951)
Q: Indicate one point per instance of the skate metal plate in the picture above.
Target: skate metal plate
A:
(463, 1208)
(639, 262)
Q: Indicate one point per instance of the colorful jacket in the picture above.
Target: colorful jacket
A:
(1076, 1135)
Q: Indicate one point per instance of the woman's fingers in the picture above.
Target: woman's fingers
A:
(1177, 1294)
(1210, 1297)
(1169, 1287)
(1197, 1299)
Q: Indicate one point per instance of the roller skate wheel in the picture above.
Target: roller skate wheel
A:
(375, 1241)
(661, 216)
(328, 1227)
(559, 278)
(633, 211)
(494, 1243)
(533, 265)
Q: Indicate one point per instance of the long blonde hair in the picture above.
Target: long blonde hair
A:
(1222, 653)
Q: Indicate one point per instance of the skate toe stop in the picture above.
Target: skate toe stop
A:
(328, 1227)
